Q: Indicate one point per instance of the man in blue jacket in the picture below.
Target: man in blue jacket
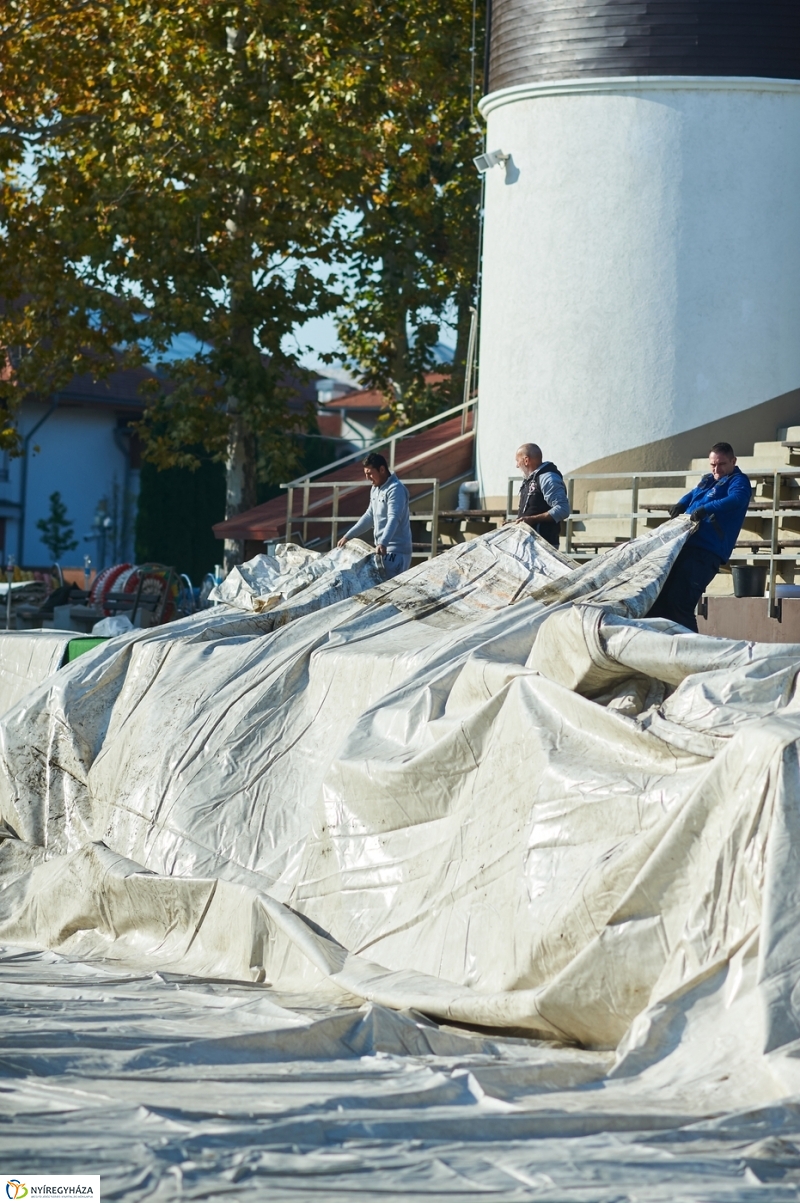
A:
(718, 506)
(388, 516)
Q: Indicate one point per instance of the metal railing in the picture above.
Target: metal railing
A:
(770, 550)
(392, 440)
(634, 515)
(339, 490)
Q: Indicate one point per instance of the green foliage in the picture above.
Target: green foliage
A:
(178, 179)
(185, 167)
(57, 530)
(177, 508)
(311, 452)
(413, 256)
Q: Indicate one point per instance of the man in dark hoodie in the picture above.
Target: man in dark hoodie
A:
(718, 505)
(543, 502)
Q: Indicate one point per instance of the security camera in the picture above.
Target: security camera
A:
(490, 159)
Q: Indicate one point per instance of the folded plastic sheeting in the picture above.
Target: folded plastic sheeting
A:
(266, 581)
(489, 792)
(176, 1088)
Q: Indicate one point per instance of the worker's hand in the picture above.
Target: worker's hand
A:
(698, 515)
(342, 541)
(381, 549)
(677, 510)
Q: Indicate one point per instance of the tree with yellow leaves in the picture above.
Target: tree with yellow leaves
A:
(413, 255)
(183, 168)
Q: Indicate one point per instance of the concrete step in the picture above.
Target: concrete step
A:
(790, 487)
(607, 501)
(777, 457)
(604, 530)
(760, 450)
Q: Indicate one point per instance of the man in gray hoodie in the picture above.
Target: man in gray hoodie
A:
(387, 514)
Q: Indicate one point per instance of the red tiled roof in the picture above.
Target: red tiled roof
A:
(373, 398)
(441, 451)
(368, 399)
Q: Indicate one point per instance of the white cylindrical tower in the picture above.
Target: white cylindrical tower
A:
(641, 261)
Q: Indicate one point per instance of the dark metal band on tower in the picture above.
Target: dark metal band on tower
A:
(538, 40)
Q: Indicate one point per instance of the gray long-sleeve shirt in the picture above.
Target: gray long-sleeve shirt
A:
(388, 516)
(555, 494)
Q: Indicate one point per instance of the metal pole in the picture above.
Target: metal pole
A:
(435, 520)
(306, 499)
(570, 499)
(634, 505)
(335, 514)
(289, 508)
(473, 334)
(772, 609)
(392, 448)
(9, 579)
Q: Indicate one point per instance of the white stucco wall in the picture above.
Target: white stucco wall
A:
(641, 264)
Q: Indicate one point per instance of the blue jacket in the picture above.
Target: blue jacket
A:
(725, 502)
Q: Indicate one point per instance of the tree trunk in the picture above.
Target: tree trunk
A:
(240, 482)
(241, 464)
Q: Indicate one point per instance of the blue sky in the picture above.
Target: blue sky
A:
(309, 342)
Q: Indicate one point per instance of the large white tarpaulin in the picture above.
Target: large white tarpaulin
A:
(27, 659)
(267, 581)
(488, 794)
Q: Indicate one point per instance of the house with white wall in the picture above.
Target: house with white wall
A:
(350, 415)
(77, 442)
